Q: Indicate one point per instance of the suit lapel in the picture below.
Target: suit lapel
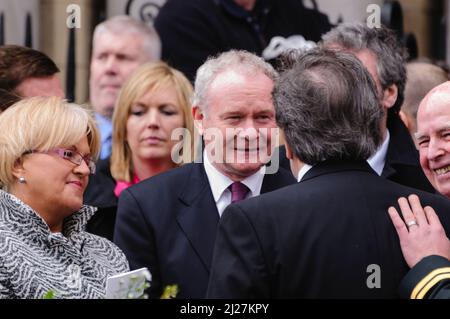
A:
(199, 217)
(401, 150)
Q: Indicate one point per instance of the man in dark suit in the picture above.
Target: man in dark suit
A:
(381, 52)
(329, 236)
(168, 223)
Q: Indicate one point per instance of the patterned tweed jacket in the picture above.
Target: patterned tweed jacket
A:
(34, 261)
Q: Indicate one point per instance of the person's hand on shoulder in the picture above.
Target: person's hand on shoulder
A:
(420, 231)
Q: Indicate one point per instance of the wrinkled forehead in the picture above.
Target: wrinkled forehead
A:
(434, 112)
(126, 40)
(234, 82)
(227, 77)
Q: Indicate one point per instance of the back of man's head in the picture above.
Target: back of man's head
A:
(18, 64)
(383, 43)
(328, 108)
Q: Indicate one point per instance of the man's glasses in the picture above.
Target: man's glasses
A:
(70, 155)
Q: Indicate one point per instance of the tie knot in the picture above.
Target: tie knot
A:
(238, 191)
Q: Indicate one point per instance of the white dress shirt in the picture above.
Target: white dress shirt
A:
(219, 184)
(303, 171)
(377, 160)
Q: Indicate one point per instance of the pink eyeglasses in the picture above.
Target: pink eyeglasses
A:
(70, 155)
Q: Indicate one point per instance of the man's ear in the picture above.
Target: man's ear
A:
(289, 152)
(198, 116)
(390, 96)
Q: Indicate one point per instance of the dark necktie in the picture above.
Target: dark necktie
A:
(238, 191)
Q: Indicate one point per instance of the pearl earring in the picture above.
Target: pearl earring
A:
(22, 180)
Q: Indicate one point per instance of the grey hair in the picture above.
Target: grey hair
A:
(384, 43)
(328, 107)
(239, 60)
(124, 24)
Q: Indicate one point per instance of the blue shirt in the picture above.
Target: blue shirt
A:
(105, 126)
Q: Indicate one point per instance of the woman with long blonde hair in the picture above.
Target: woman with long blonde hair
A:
(153, 103)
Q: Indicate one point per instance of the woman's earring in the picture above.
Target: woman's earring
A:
(22, 180)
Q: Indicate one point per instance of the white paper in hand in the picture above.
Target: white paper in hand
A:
(128, 285)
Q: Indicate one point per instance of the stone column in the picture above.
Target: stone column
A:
(54, 35)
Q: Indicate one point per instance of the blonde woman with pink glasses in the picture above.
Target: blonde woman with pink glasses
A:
(47, 153)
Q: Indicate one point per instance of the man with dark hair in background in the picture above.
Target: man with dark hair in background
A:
(381, 52)
(25, 72)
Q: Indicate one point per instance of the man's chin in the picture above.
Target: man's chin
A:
(245, 169)
(444, 189)
(109, 99)
(109, 111)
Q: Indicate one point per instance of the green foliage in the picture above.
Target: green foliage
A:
(49, 295)
(170, 292)
(137, 287)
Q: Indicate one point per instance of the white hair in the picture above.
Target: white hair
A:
(123, 24)
(239, 60)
